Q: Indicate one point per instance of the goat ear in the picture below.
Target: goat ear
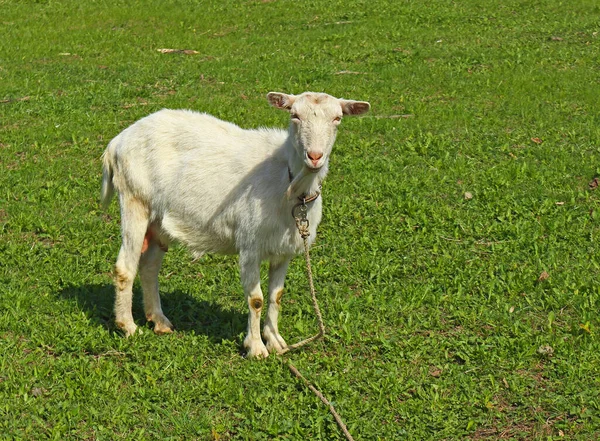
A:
(354, 107)
(281, 100)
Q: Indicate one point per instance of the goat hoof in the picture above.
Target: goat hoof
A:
(128, 328)
(256, 349)
(276, 347)
(162, 325)
(275, 342)
(161, 329)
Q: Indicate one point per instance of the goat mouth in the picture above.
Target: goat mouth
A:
(312, 169)
(314, 165)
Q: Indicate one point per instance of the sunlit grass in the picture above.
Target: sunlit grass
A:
(443, 207)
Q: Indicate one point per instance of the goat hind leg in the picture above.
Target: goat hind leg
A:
(150, 263)
(134, 221)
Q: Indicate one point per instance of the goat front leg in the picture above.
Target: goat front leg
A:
(250, 276)
(277, 271)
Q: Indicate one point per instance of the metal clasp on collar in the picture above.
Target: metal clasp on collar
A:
(300, 212)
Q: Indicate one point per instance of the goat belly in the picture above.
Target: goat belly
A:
(200, 239)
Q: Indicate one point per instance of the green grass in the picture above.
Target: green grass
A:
(432, 300)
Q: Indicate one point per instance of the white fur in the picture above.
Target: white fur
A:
(217, 188)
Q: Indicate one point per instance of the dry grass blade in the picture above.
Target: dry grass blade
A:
(8, 100)
(178, 51)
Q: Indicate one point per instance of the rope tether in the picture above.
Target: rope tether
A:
(299, 212)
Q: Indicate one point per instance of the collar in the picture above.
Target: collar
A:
(304, 198)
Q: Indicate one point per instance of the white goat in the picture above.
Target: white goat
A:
(215, 187)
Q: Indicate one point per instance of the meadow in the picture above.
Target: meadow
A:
(457, 263)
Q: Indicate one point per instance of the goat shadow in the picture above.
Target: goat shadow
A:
(185, 312)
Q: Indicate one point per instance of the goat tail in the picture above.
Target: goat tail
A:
(108, 188)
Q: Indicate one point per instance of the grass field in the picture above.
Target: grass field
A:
(457, 264)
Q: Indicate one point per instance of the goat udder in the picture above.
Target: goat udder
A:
(150, 237)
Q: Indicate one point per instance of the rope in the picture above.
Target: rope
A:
(302, 224)
(313, 295)
(338, 418)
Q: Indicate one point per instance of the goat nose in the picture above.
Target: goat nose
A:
(314, 157)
